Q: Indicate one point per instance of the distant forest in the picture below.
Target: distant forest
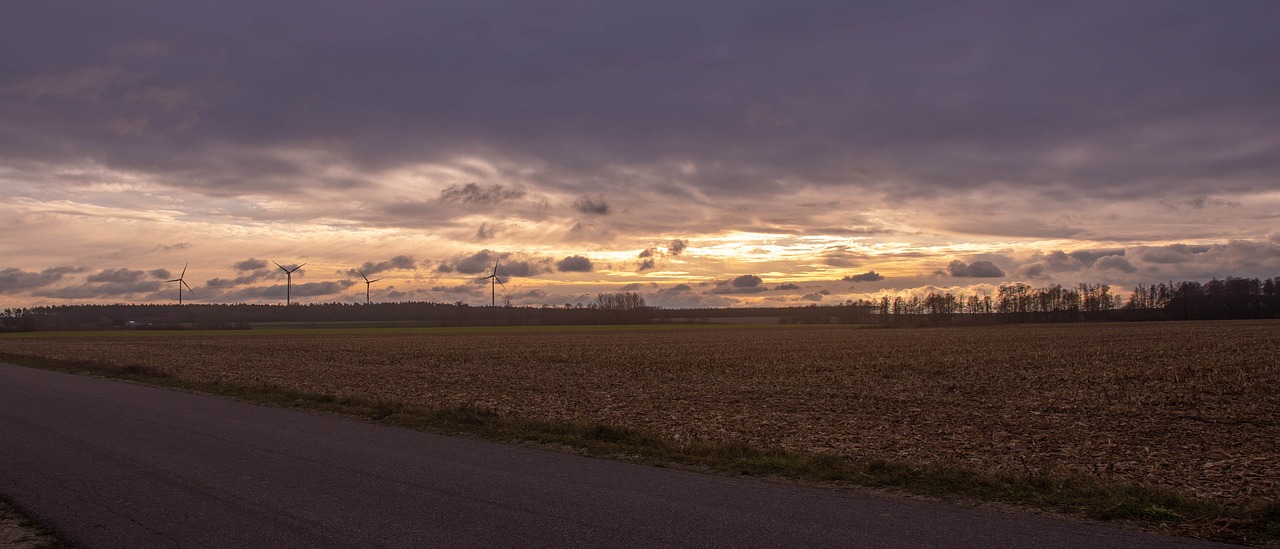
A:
(1230, 298)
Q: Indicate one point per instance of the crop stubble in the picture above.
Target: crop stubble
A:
(1186, 406)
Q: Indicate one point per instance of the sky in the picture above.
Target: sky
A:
(701, 154)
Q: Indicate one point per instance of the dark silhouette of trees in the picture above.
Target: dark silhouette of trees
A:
(619, 308)
(1229, 298)
(620, 301)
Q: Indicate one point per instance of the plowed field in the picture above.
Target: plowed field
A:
(1188, 406)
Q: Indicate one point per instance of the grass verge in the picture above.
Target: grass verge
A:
(17, 531)
(1152, 508)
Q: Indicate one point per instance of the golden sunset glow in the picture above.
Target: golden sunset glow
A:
(715, 164)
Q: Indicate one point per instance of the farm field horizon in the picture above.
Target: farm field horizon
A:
(1183, 406)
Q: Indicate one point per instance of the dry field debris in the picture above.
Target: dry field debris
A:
(18, 532)
(1191, 406)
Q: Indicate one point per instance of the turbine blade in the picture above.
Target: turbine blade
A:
(495, 267)
(184, 271)
(174, 280)
(298, 267)
(499, 281)
(184, 283)
(281, 267)
(374, 280)
(366, 279)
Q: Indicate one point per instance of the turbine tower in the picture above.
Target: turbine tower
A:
(288, 288)
(494, 282)
(182, 283)
(367, 282)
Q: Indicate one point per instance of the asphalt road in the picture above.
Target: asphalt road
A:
(111, 464)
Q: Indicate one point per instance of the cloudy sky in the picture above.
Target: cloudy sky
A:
(709, 154)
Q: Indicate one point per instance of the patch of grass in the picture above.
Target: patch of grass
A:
(1073, 493)
(19, 530)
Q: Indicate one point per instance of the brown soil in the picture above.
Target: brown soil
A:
(1188, 406)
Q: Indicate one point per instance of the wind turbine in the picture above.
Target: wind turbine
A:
(288, 289)
(182, 283)
(367, 282)
(494, 282)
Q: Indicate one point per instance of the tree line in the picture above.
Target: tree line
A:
(1215, 299)
(1229, 298)
(617, 308)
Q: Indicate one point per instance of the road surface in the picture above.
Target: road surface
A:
(111, 464)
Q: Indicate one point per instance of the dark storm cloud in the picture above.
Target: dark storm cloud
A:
(113, 285)
(222, 283)
(677, 246)
(1125, 100)
(869, 276)
(1089, 257)
(252, 270)
(403, 262)
(745, 284)
(1045, 265)
(1198, 203)
(486, 232)
(313, 289)
(787, 286)
(574, 264)
(533, 295)
(1059, 261)
(1034, 270)
(118, 276)
(729, 290)
(842, 257)
(239, 280)
(591, 206)
(650, 256)
(13, 278)
(1169, 255)
(482, 263)
(473, 193)
(251, 264)
(977, 269)
(159, 273)
(1116, 263)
